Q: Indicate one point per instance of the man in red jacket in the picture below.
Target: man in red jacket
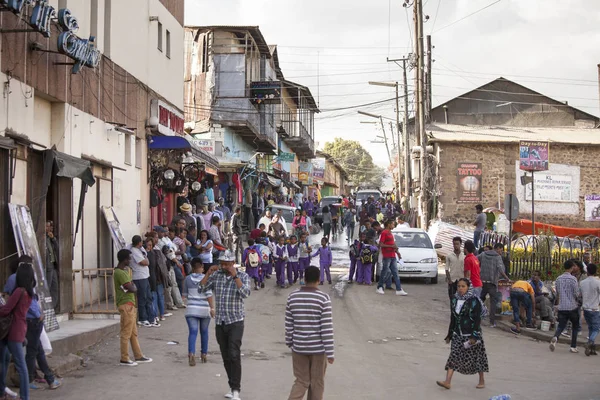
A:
(472, 268)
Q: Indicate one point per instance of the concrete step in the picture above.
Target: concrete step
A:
(78, 334)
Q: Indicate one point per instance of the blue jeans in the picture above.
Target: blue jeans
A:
(593, 320)
(16, 349)
(389, 267)
(35, 351)
(476, 237)
(179, 278)
(144, 296)
(158, 301)
(518, 298)
(196, 324)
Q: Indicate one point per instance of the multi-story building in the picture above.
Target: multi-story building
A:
(83, 84)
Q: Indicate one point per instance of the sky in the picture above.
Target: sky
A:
(336, 47)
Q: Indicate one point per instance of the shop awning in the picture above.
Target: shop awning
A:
(272, 180)
(331, 184)
(290, 184)
(7, 143)
(68, 167)
(183, 144)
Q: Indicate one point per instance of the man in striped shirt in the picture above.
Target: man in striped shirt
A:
(309, 333)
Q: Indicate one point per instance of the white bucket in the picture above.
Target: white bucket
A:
(545, 327)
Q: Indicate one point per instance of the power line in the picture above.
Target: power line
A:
(467, 16)
(437, 11)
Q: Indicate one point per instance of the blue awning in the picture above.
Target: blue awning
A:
(183, 144)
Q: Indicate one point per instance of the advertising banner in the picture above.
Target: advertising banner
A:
(305, 173)
(534, 156)
(592, 207)
(469, 177)
(318, 168)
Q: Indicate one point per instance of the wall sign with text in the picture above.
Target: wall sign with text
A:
(551, 187)
(534, 156)
(470, 182)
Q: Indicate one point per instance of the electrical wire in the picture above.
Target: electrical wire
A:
(437, 12)
(467, 16)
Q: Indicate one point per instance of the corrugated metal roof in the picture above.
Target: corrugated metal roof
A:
(510, 134)
(253, 30)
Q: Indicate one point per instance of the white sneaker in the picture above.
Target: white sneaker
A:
(380, 291)
(553, 343)
(10, 392)
(168, 314)
(236, 395)
(401, 293)
(572, 350)
(146, 323)
(229, 395)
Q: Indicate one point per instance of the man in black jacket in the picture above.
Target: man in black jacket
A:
(492, 269)
(52, 263)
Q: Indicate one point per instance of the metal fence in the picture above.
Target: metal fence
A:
(93, 291)
(542, 253)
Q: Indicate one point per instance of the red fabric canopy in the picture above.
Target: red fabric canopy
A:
(524, 226)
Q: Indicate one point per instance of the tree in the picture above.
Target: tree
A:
(357, 162)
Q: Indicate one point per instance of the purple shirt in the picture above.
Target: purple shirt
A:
(325, 257)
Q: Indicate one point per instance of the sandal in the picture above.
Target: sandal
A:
(443, 384)
(480, 386)
(192, 360)
(203, 358)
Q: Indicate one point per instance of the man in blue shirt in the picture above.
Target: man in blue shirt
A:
(35, 350)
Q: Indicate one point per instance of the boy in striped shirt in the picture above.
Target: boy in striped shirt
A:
(309, 334)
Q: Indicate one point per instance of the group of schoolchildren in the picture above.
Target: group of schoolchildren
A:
(289, 258)
(363, 256)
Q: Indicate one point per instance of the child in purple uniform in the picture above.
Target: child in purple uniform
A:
(292, 265)
(253, 272)
(354, 254)
(368, 255)
(325, 259)
(267, 251)
(280, 256)
(304, 250)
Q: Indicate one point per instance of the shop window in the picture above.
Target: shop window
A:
(168, 39)
(128, 149)
(138, 153)
(160, 37)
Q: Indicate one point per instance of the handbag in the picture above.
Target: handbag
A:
(6, 322)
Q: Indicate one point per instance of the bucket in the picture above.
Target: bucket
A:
(545, 327)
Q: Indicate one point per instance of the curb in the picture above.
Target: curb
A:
(539, 335)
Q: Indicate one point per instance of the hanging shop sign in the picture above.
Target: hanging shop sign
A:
(534, 156)
(305, 173)
(206, 145)
(592, 207)
(318, 168)
(170, 120)
(551, 188)
(82, 51)
(469, 176)
(286, 157)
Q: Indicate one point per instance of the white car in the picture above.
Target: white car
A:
(419, 258)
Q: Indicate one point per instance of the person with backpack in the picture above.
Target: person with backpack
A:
(325, 259)
(368, 256)
(292, 264)
(280, 255)
(354, 254)
(251, 259)
(266, 256)
(304, 250)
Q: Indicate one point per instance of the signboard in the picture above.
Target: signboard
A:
(170, 120)
(283, 157)
(268, 92)
(305, 173)
(469, 176)
(549, 187)
(26, 241)
(206, 145)
(534, 156)
(82, 51)
(592, 207)
(511, 207)
(318, 168)
(114, 227)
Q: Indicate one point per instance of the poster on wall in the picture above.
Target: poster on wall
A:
(469, 176)
(305, 173)
(318, 168)
(26, 242)
(551, 188)
(533, 155)
(592, 207)
(114, 227)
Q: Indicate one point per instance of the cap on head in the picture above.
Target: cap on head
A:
(227, 256)
(159, 229)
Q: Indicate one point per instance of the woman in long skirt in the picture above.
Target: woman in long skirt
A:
(467, 351)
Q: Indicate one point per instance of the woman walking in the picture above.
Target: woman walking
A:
(17, 304)
(200, 309)
(326, 222)
(467, 351)
(206, 247)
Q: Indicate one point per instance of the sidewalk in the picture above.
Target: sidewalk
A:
(506, 324)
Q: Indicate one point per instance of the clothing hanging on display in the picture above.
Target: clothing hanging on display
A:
(238, 185)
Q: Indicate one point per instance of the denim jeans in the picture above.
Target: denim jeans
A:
(196, 324)
(476, 237)
(35, 351)
(16, 349)
(229, 338)
(492, 290)
(518, 298)
(179, 278)
(592, 318)
(158, 301)
(563, 318)
(389, 267)
(350, 233)
(144, 296)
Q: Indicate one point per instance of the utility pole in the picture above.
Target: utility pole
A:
(428, 80)
(420, 86)
(599, 78)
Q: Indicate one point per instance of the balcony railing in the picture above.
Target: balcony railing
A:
(93, 291)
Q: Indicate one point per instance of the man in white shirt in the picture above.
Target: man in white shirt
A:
(141, 273)
(266, 220)
(455, 266)
(590, 292)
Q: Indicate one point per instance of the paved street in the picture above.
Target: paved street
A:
(386, 347)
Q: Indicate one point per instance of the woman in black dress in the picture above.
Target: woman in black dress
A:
(467, 351)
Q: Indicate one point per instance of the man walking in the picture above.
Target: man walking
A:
(229, 288)
(52, 263)
(125, 291)
(141, 273)
(236, 231)
(491, 269)
(309, 334)
(590, 292)
(455, 266)
(480, 222)
(389, 266)
(567, 297)
(472, 268)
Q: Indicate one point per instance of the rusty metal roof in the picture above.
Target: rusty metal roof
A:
(254, 31)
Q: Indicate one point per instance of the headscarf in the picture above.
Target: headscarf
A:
(471, 294)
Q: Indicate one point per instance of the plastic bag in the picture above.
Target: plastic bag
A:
(45, 340)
